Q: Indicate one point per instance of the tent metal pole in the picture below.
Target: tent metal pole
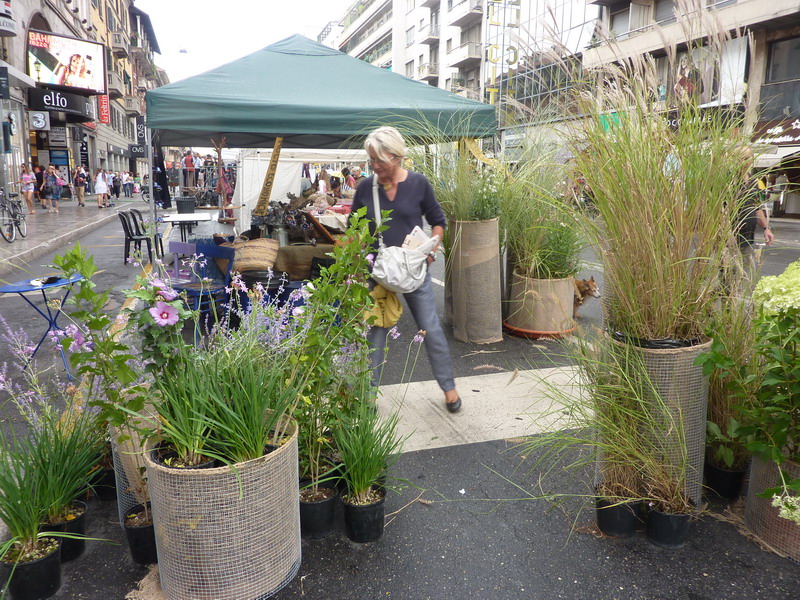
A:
(266, 189)
(151, 181)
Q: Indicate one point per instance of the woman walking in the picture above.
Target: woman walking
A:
(115, 187)
(101, 188)
(28, 181)
(79, 179)
(409, 195)
(52, 189)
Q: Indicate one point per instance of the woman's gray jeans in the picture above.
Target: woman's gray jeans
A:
(423, 308)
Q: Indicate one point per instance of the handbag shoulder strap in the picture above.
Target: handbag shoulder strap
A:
(376, 205)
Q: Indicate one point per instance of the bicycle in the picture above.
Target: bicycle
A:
(13, 218)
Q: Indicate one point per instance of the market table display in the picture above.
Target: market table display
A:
(185, 220)
(42, 285)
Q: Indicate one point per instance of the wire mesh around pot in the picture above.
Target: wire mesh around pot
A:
(762, 518)
(227, 533)
(684, 390)
(129, 467)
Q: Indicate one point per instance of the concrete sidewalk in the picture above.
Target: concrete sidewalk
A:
(50, 232)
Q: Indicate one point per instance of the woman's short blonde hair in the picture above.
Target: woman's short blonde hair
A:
(385, 142)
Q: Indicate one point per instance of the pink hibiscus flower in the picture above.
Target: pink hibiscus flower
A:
(164, 314)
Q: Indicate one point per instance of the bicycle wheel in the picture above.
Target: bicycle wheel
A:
(7, 229)
(21, 219)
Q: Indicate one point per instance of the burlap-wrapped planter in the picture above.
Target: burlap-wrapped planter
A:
(684, 390)
(762, 518)
(227, 535)
(540, 308)
(473, 290)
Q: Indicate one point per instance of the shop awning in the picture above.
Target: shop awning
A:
(773, 155)
(310, 95)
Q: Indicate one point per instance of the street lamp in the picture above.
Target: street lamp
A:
(38, 67)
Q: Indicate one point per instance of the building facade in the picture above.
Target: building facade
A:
(76, 73)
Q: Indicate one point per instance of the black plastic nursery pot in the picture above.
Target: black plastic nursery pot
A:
(34, 580)
(141, 539)
(725, 483)
(666, 529)
(104, 484)
(71, 548)
(318, 517)
(617, 520)
(364, 523)
(163, 453)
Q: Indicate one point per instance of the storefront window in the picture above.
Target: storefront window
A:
(784, 60)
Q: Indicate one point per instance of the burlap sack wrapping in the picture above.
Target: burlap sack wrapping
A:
(225, 535)
(541, 307)
(473, 282)
(763, 519)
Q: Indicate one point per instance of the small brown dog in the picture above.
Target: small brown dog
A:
(584, 288)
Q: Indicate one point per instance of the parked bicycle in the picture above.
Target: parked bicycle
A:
(13, 218)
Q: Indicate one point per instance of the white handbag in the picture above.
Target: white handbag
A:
(400, 270)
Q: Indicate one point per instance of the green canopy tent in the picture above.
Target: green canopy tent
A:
(274, 97)
(309, 95)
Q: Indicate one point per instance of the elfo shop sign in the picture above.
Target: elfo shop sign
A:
(75, 108)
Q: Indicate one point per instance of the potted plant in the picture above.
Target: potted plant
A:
(335, 311)
(368, 447)
(543, 246)
(612, 407)
(468, 190)
(732, 351)
(664, 198)
(64, 448)
(30, 560)
(771, 419)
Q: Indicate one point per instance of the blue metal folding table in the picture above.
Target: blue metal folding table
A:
(52, 314)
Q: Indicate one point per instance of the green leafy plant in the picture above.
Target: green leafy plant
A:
(368, 446)
(105, 363)
(732, 352)
(64, 451)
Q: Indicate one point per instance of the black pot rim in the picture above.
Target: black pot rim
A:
(656, 344)
(75, 504)
(135, 509)
(57, 550)
(328, 499)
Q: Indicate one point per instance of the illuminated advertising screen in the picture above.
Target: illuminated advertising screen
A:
(67, 62)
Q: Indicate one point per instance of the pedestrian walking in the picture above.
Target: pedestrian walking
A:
(52, 188)
(38, 172)
(101, 188)
(125, 179)
(116, 186)
(409, 203)
(79, 180)
(28, 182)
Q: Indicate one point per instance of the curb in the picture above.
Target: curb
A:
(27, 256)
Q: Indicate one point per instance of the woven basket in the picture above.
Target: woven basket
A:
(255, 255)
(228, 533)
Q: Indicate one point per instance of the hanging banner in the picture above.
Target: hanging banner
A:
(141, 138)
(103, 109)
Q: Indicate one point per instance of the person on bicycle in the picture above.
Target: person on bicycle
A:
(28, 181)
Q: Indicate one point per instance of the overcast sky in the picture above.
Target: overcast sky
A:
(215, 32)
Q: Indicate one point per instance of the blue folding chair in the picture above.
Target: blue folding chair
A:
(202, 292)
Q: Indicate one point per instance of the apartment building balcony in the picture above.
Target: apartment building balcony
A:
(462, 13)
(428, 71)
(120, 46)
(466, 54)
(116, 89)
(133, 106)
(429, 34)
(461, 87)
(430, 3)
